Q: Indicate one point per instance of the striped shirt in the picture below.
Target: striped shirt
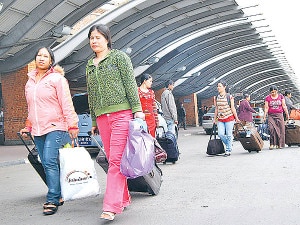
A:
(224, 110)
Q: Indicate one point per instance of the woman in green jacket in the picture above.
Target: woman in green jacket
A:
(114, 101)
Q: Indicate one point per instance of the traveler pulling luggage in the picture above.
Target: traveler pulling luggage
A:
(149, 183)
(292, 133)
(249, 138)
(168, 142)
(33, 157)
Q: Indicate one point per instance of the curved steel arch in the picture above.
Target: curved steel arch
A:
(225, 66)
(170, 30)
(112, 28)
(282, 85)
(194, 47)
(17, 55)
(155, 46)
(155, 29)
(140, 29)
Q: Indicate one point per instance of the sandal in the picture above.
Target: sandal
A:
(108, 216)
(61, 202)
(49, 208)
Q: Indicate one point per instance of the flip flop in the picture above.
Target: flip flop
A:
(108, 216)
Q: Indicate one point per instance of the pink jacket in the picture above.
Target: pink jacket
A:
(49, 101)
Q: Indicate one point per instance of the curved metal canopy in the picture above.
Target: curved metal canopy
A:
(27, 25)
(212, 40)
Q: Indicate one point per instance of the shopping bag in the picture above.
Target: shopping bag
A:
(215, 146)
(138, 156)
(78, 178)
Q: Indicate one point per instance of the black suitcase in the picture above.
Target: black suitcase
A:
(149, 183)
(33, 158)
(169, 143)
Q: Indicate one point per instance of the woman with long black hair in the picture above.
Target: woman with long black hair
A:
(51, 117)
(147, 98)
(274, 108)
(225, 116)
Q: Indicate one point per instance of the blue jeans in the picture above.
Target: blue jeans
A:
(171, 126)
(47, 146)
(225, 133)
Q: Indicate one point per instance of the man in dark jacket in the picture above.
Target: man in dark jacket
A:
(182, 116)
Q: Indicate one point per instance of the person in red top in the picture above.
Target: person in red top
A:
(274, 107)
(147, 98)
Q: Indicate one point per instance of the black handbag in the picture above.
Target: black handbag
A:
(215, 146)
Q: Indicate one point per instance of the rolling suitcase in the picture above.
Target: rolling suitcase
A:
(292, 134)
(249, 138)
(263, 131)
(169, 143)
(33, 158)
(149, 183)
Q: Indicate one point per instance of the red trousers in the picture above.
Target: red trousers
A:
(113, 128)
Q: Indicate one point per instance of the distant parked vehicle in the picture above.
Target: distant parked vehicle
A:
(207, 120)
(258, 116)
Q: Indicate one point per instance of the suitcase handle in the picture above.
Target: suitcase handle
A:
(240, 125)
(22, 139)
(97, 143)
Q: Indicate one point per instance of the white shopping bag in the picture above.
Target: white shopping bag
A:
(78, 178)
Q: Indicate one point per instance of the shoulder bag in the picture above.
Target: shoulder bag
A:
(215, 146)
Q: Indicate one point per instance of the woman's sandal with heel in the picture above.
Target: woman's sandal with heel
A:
(49, 208)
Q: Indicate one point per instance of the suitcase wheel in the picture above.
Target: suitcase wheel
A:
(289, 145)
(249, 151)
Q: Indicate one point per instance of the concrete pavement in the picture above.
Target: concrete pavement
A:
(243, 189)
(13, 155)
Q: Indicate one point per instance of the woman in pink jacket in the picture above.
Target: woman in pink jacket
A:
(51, 116)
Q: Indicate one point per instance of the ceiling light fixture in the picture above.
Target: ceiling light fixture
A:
(61, 31)
(151, 60)
(58, 32)
(127, 50)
